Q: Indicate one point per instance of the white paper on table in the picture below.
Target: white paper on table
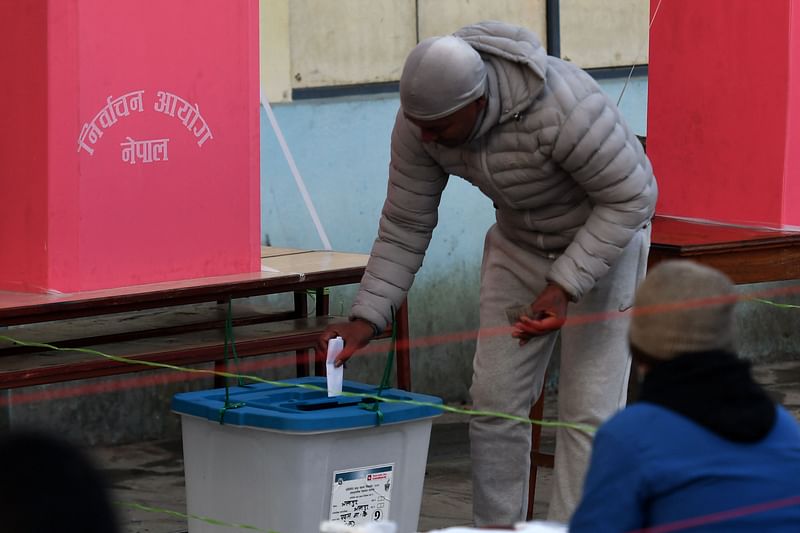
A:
(335, 375)
(372, 527)
(537, 526)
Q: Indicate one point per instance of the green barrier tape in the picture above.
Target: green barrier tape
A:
(205, 519)
(586, 428)
(775, 304)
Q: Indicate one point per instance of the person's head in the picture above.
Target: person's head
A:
(442, 89)
(47, 484)
(681, 307)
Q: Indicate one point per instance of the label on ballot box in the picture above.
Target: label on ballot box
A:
(362, 495)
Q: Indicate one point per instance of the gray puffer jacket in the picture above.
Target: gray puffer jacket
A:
(568, 178)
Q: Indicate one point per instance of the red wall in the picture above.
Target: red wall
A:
(91, 218)
(722, 110)
(791, 191)
(23, 161)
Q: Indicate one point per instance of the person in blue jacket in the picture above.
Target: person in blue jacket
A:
(704, 448)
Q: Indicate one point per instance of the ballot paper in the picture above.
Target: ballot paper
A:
(334, 374)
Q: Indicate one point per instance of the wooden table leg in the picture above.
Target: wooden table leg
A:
(537, 413)
(219, 381)
(220, 365)
(322, 301)
(322, 308)
(302, 363)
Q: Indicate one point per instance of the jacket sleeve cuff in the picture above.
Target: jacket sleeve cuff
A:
(574, 293)
(378, 321)
(375, 330)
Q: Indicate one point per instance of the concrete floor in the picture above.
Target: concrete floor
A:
(151, 473)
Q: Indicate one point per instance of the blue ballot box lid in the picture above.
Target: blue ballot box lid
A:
(296, 409)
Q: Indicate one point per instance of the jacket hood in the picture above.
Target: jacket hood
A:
(517, 61)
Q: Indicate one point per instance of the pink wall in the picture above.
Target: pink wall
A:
(721, 102)
(180, 204)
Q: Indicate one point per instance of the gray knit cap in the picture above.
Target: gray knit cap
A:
(682, 307)
(441, 75)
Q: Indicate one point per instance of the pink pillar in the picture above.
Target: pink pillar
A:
(724, 110)
(130, 145)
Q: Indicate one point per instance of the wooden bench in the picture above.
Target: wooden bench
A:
(183, 335)
(181, 323)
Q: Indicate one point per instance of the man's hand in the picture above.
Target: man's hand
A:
(546, 314)
(356, 334)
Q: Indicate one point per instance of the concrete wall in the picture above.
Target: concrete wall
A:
(319, 43)
(618, 34)
(440, 17)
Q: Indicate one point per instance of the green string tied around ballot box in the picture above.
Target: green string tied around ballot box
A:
(230, 340)
(387, 375)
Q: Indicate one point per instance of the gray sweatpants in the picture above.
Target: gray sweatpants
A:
(595, 363)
